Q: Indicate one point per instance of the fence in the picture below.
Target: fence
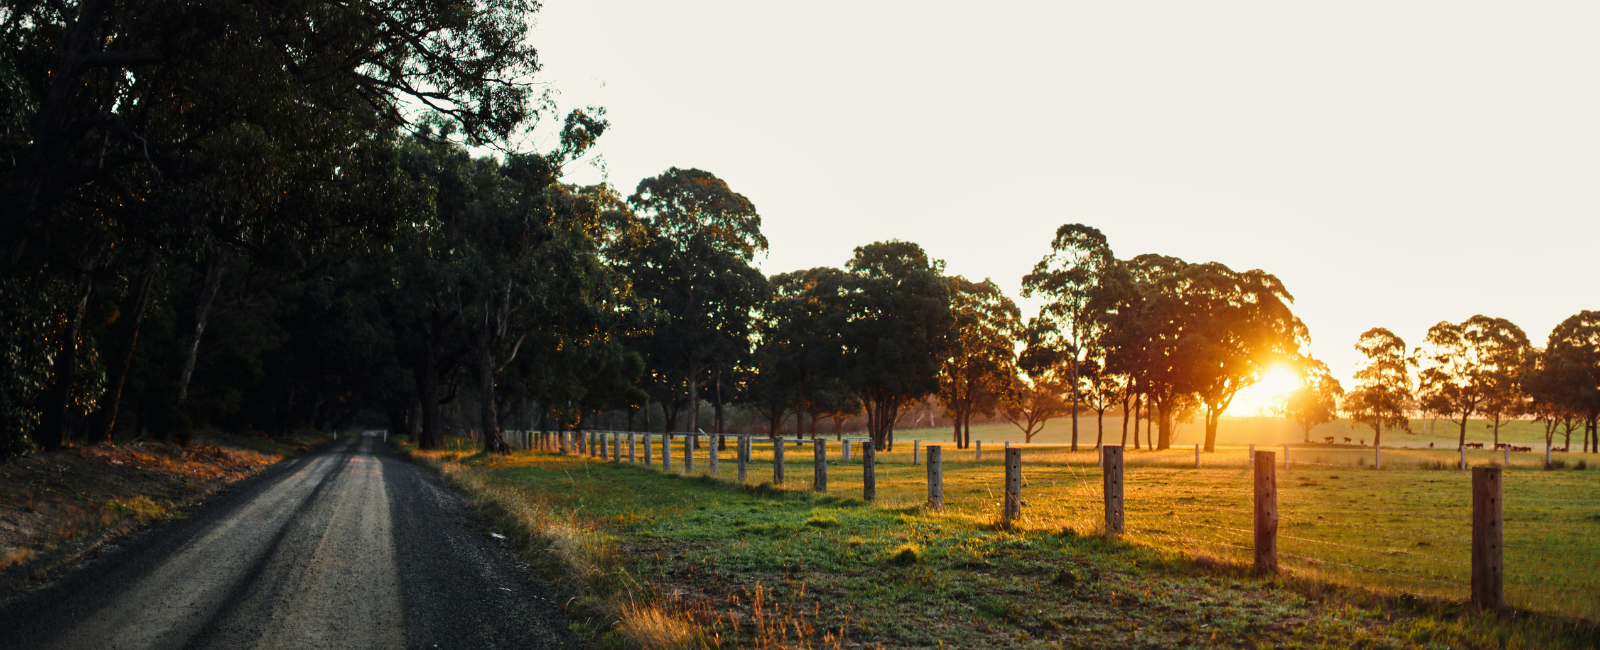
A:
(1271, 509)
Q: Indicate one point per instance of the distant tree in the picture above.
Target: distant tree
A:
(1466, 362)
(979, 364)
(1573, 353)
(896, 330)
(1038, 392)
(1316, 400)
(692, 261)
(1071, 278)
(1383, 384)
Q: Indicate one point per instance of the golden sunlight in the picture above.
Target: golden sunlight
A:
(1261, 398)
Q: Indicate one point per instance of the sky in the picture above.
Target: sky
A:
(1396, 164)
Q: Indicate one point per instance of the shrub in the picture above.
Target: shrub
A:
(906, 554)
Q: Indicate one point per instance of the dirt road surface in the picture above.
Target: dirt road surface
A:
(345, 547)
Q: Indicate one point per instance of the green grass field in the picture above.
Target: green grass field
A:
(1373, 558)
(1404, 528)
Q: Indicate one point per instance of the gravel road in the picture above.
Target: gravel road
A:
(345, 547)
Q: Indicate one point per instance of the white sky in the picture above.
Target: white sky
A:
(1395, 163)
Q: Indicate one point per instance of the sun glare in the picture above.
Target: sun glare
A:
(1260, 398)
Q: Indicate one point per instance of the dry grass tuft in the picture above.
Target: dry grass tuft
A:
(649, 627)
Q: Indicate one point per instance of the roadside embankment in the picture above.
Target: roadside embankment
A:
(56, 506)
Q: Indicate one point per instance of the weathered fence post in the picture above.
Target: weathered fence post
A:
(869, 474)
(935, 479)
(1197, 456)
(1507, 461)
(1252, 453)
(713, 444)
(777, 463)
(1286, 457)
(1111, 472)
(688, 451)
(978, 455)
(846, 449)
(631, 457)
(666, 450)
(648, 452)
(1013, 506)
(1547, 455)
(1488, 571)
(743, 452)
(1463, 464)
(916, 449)
(616, 447)
(819, 466)
(1266, 521)
(1377, 456)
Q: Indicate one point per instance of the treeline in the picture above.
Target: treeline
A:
(1482, 367)
(266, 217)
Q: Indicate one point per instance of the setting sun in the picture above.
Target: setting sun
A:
(1260, 398)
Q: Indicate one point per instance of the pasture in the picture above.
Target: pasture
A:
(1402, 529)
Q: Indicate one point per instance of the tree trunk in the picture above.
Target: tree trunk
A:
(694, 398)
(1213, 416)
(492, 442)
(1164, 417)
(202, 314)
(720, 430)
(1125, 422)
(425, 374)
(111, 403)
(57, 400)
(1138, 403)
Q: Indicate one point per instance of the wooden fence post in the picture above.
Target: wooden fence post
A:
(869, 474)
(1377, 456)
(777, 463)
(819, 466)
(631, 448)
(1197, 456)
(713, 444)
(616, 446)
(649, 454)
(978, 455)
(935, 480)
(916, 449)
(743, 453)
(1112, 487)
(1286, 457)
(1507, 461)
(846, 449)
(1463, 464)
(688, 451)
(1252, 453)
(1266, 520)
(1488, 532)
(1013, 505)
(666, 450)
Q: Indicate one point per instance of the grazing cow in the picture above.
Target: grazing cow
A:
(1430, 445)
(1501, 445)
(1363, 442)
(1328, 440)
(1347, 441)
(1516, 448)
(1475, 445)
(1560, 449)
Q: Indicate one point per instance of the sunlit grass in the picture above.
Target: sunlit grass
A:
(1404, 528)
